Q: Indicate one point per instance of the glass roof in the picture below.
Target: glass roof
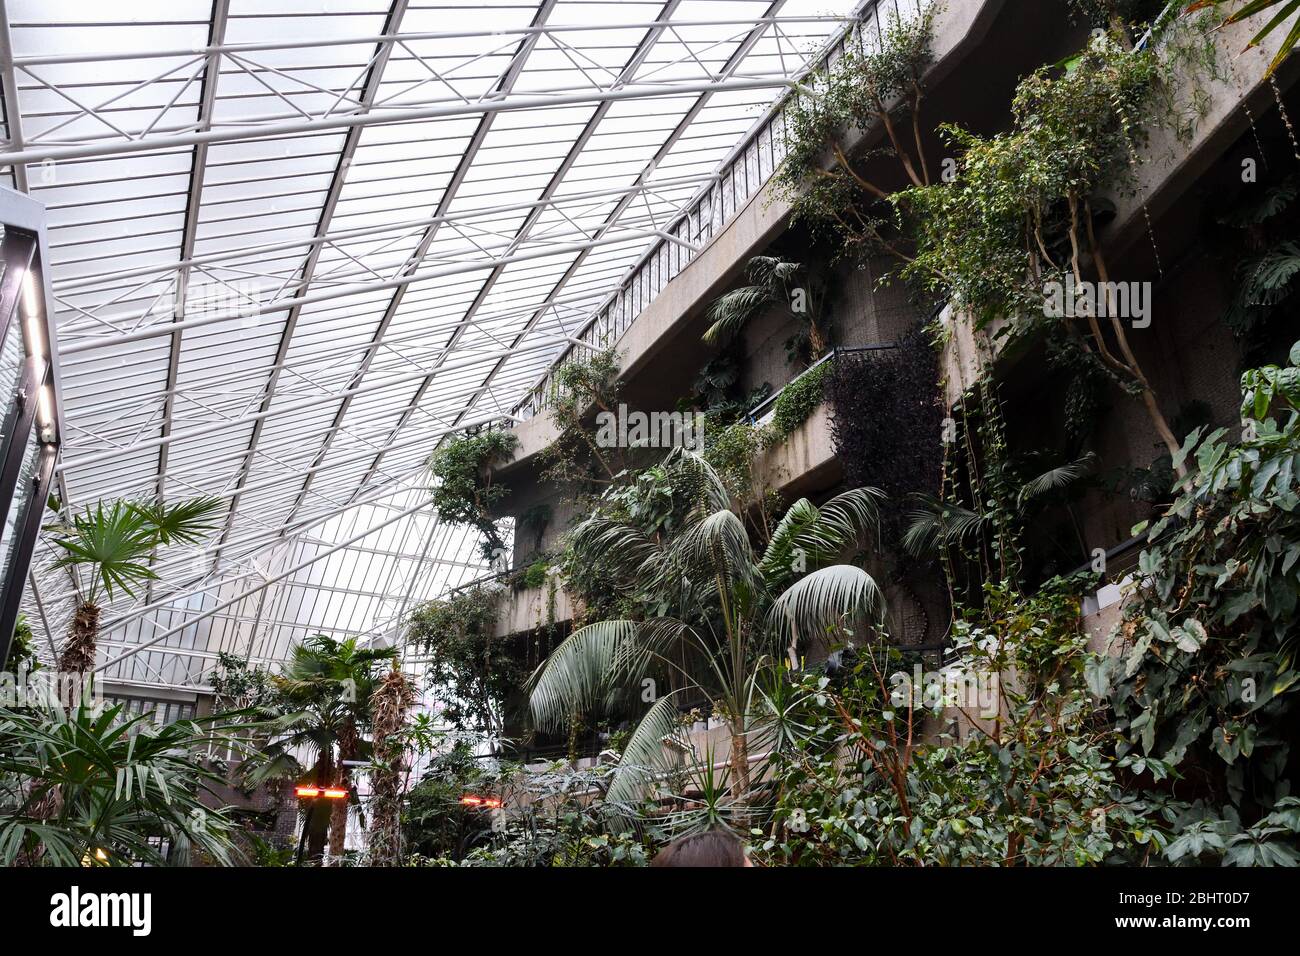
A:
(297, 242)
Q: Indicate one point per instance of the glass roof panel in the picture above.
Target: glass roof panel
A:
(296, 243)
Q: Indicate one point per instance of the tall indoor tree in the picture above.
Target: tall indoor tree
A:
(113, 544)
(394, 694)
(728, 615)
(326, 688)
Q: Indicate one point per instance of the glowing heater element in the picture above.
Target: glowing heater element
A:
(470, 800)
(328, 793)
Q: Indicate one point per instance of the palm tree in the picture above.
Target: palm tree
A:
(327, 687)
(113, 544)
(392, 698)
(773, 281)
(92, 786)
(729, 614)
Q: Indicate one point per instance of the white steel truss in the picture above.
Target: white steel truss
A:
(296, 244)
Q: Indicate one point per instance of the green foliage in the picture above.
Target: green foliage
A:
(1014, 212)
(721, 610)
(476, 670)
(774, 282)
(582, 387)
(1038, 783)
(95, 786)
(320, 702)
(864, 89)
(1263, 245)
(1208, 675)
(732, 451)
(798, 400)
(435, 824)
(1273, 841)
(22, 652)
(536, 574)
(113, 542)
(236, 686)
(553, 823)
(464, 492)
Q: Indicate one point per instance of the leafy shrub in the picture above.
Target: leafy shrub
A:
(464, 492)
(1038, 784)
(799, 400)
(1208, 678)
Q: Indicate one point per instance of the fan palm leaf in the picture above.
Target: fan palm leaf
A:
(577, 674)
(826, 601)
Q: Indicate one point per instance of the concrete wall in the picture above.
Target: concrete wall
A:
(959, 28)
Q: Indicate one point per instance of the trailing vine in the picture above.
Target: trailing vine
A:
(464, 491)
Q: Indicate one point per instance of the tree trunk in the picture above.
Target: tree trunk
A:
(739, 765)
(343, 779)
(78, 655)
(816, 340)
(388, 705)
(317, 823)
(339, 817)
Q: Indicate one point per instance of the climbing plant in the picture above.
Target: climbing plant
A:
(1207, 679)
(464, 490)
(877, 89)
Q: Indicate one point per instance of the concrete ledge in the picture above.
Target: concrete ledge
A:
(805, 459)
(959, 26)
(521, 611)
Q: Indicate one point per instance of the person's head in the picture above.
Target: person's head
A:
(715, 847)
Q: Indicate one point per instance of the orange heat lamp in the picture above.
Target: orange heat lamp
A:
(471, 800)
(312, 793)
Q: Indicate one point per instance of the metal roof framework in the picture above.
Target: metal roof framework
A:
(296, 243)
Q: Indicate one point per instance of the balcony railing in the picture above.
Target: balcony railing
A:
(745, 171)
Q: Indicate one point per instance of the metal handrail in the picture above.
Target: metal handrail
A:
(746, 170)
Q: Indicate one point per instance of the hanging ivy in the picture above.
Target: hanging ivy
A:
(464, 491)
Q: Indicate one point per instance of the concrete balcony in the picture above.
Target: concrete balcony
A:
(1168, 170)
(522, 610)
(653, 348)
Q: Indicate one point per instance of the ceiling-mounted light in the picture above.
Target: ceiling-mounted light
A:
(35, 318)
(46, 432)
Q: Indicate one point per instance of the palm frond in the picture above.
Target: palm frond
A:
(826, 602)
(729, 313)
(629, 553)
(644, 757)
(185, 522)
(934, 521)
(577, 674)
(1055, 478)
(708, 487)
(808, 537)
(716, 545)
